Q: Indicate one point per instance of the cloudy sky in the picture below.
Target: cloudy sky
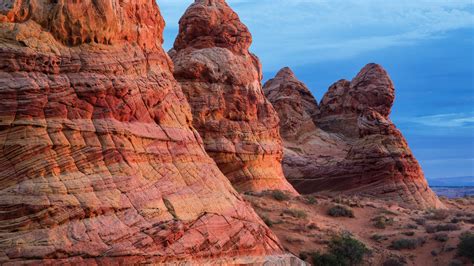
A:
(427, 46)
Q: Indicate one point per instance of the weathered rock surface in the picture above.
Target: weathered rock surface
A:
(222, 81)
(99, 162)
(348, 142)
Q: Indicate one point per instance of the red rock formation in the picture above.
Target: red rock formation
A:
(221, 80)
(348, 142)
(99, 162)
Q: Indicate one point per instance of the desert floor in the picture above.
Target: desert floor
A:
(303, 225)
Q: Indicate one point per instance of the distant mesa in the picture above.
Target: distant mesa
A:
(347, 143)
(222, 82)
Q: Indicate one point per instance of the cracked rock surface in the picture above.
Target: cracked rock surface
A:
(99, 161)
(222, 81)
(348, 142)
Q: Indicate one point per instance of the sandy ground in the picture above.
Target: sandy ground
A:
(313, 232)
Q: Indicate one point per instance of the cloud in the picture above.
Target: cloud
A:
(299, 32)
(453, 120)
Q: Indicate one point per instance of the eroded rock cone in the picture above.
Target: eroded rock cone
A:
(222, 81)
(99, 162)
(348, 142)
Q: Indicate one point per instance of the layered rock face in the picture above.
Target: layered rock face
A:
(99, 162)
(348, 142)
(222, 81)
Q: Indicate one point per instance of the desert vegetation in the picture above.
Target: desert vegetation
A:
(394, 235)
(342, 250)
(340, 211)
(466, 246)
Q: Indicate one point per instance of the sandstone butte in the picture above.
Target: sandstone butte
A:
(222, 81)
(347, 143)
(99, 162)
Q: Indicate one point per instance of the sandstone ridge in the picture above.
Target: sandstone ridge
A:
(99, 161)
(222, 81)
(347, 143)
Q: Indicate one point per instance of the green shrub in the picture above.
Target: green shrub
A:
(411, 226)
(327, 260)
(395, 261)
(340, 211)
(441, 237)
(409, 233)
(348, 248)
(455, 220)
(310, 200)
(437, 214)
(420, 221)
(442, 227)
(378, 238)
(404, 243)
(466, 246)
(279, 195)
(296, 213)
(343, 251)
(381, 222)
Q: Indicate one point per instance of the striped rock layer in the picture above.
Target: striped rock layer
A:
(347, 143)
(222, 81)
(99, 161)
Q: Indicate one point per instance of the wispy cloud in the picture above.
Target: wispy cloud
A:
(307, 31)
(454, 120)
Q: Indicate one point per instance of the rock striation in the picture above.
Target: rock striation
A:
(347, 143)
(99, 161)
(222, 81)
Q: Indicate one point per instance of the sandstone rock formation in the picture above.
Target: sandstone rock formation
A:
(348, 142)
(222, 81)
(99, 162)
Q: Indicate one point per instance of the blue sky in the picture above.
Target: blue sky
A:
(427, 46)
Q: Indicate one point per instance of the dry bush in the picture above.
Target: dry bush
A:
(382, 222)
(437, 214)
(340, 211)
(296, 213)
(279, 195)
(394, 260)
(404, 243)
(466, 246)
(441, 237)
(442, 227)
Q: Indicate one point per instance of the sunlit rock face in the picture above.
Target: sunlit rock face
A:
(99, 161)
(347, 143)
(222, 81)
